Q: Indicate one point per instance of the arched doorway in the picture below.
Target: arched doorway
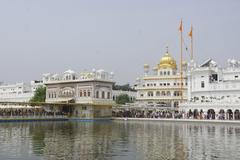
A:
(190, 114)
(175, 104)
(221, 114)
(237, 114)
(211, 114)
(229, 114)
(201, 114)
(195, 114)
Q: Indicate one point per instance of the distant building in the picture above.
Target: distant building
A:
(214, 91)
(18, 92)
(90, 93)
(163, 87)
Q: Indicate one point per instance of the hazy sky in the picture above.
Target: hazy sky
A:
(43, 36)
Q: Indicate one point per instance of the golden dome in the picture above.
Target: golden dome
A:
(167, 61)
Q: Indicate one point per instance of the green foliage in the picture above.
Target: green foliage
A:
(40, 95)
(125, 87)
(123, 99)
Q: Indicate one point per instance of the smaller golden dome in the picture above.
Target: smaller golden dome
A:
(155, 68)
(167, 61)
(146, 66)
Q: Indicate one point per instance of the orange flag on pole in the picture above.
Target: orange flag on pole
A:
(190, 33)
(181, 27)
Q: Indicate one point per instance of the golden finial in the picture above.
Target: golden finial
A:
(166, 48)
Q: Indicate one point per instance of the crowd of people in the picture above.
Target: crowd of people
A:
(135, 113)
(29, 112)
(139, 113)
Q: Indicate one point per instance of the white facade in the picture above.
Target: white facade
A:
(162, 87)
(82, 95)
(19, 92)
(85, 87)
(213, 88)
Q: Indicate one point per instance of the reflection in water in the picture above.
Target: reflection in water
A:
(118, 140)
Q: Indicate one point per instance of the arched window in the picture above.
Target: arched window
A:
(108, 95)
(163, 93)
(168, 72)
(103, 94)
(84, 93)
(164, 73)
(176, 104)
(80, 93)
(89, 93)
(157, 93)
(97, 94)
(175, 93)
(150, 93)
(168, 93)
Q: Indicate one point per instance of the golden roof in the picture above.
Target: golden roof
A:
(167, 61)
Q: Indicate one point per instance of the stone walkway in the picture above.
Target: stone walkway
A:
(175, 120)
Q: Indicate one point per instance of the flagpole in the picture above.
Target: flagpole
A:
(181, 58)
(191, 43)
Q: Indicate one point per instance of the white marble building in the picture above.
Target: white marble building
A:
(214, 91)
(162, 87)
(89, 93)
(18, 92)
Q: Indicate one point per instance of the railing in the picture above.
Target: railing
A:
(161, 87)
(94, 101)
(161, 97)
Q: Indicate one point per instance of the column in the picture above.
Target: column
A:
(225, 115)
(189, 86)
(233, 114)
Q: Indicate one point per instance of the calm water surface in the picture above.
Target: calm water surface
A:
(118, 140)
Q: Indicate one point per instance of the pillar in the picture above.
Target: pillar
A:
(189, 87)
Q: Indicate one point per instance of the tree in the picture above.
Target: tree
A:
(125, 87)
(40, 95)
(123, 99)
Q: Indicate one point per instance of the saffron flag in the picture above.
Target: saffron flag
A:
(190, 33)
(181, 27)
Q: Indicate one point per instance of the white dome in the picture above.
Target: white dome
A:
(70, 72)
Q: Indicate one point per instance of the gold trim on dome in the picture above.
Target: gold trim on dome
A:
(167, 61)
